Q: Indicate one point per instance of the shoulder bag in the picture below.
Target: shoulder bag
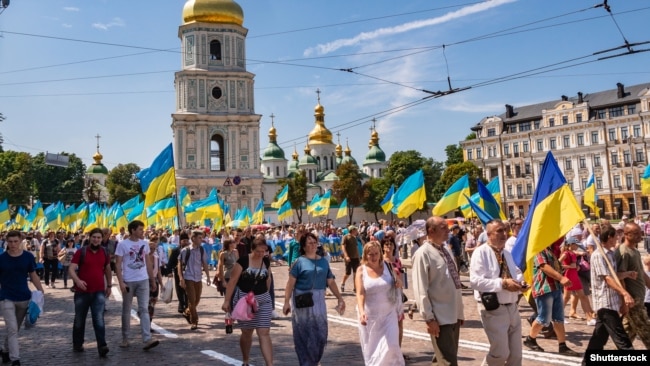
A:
(490, 300)
(306, 300)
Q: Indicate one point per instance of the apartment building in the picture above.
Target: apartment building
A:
(605, 132)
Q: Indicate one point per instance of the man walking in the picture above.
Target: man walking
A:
(492, 270)
(134, 277)
(15, 266)
(49, 257)
(172, 265)
(350, 249)
(90, 271)
(437, 291)
(192, 259)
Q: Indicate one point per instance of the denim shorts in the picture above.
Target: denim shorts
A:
(550, 306)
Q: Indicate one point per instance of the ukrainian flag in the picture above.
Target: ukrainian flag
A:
(166, 209)
(4, 212)
(185, 199)
(158, 181)
(281, 197)
(466, 208)
(453, 198)
(343, 209)
(645, 182)
(410, 196)
(137, 213)
(118, 219)
(553, 212)
(483, 216)
(21, 217)
(130, 204)
(284, 212)
(490, 204)
(258, 215)
(495, 188)
(313, 204)
(323, 205)
(387, 203)
(590, 197)
(36, 213)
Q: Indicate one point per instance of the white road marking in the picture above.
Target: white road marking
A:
(117, 295)
(221, 357)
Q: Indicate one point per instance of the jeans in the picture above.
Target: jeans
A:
(180, 294)
(550, 307)
(82, 302)
(14, 314)
(139, 289)
(51, 268)
(65, 276)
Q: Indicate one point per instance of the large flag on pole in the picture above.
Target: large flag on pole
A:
(483, 216)
(453, 198)
(159, 180)
(284, 212)
(410, 196)
(553, 212)
(282, 197)
(343, 209)
(490, 204)
(387, 203)
(5, 215)
(258, 215)
(590, 197)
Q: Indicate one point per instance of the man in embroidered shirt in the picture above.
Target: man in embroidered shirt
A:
(437, 290)
(190, 262)
(492, 269)
(547, 291)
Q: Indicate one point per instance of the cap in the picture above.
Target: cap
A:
(352, 227)
(379, 235)
(572, 240)
(624, 217)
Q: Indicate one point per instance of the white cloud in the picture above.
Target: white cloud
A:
(116, 22)
(71, 8)
(332, 46)
(66, 25)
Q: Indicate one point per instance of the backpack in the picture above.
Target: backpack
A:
(186, 258)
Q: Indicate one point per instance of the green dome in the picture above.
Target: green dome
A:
(348, 159)
(273, 151)
(293, 165)
(97, 169)
(375, 155)
(308, 159)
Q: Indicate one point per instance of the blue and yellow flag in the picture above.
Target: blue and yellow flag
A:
(343, 209)
(281, 197)
(591, 197)
(387, 203)
(495, 188)
(284, 212)
(130, 204)
(453, 198)
(410, 196)
(553, 212)
(184, 197)
(323, 205)
(5, 215)
(166, 209)
(258, 215)
(483, 216)
(158, 181)
(645, 181)
(313, 204)
(137, 213)
(490, 204)
(36, 213)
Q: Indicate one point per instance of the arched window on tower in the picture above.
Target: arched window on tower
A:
(277, 171)
(215, 50)
(332, 162)
(324, 162)
(217, 153)
(268, 171)
(318, 162)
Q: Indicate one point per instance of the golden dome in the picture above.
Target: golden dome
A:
(319, 109)
(339, 150)
(307, 149)
(320, 134)
(98, 157)
(348, 152)
(213, 11)
(295, 153)
(272, 133)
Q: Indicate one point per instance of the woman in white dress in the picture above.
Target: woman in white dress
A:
(378, 328)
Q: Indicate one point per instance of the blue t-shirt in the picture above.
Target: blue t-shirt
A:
(13, 276)
(303, 270)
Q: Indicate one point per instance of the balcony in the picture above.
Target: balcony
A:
(628, 164)
(510, 196)
(516, 155)
(507, 156)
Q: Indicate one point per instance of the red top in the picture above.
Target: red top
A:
(92, 269)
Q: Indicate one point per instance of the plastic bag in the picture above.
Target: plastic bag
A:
(167, 291)
(245, 308)
(34, 309)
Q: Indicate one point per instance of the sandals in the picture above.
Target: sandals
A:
(574, 316)
(410, 313)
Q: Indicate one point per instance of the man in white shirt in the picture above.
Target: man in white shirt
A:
(515, 227)
(135, 277)
(492, 270)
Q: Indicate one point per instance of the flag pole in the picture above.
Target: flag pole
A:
(602, 251)
(181, 218)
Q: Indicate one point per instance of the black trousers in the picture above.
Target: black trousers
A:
(180, 294)
(51, 267)
(609, 324)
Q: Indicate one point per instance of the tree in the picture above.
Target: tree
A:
(92, 189)
(348, 186)
(374, 191)
(454, 154)
(122, 184)
(297, 191)
(55, 183)
(471, 136)
(16, 178)
(455, 172)
(404, 163)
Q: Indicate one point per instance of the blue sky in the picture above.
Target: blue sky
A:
(57, 94)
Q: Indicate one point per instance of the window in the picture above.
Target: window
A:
(614, 157)
(527, 168)
(617, 181)
(581, 139)
(639, 156)
(491, 132)
(217, 153)
(615, 111)
(551, 122)
(565, 120)
(529, 189)
(520, 191)
(515, 148)
(631, 109)
(567, 164)
(624, 134)
(513, 128)
(215, 50)
(525, 146)
(540, 145)
(566, 140)
(612, 134)
(524, 126)
(536, 125)
(494, 172)
(579, 117)
(506, 149)
(553, 143)
(324, 162)
(509, 190)
(216, 92)
(594, 137)
(508, 170)
(583, 162)
(268, 171)
(601, 114)
(596, 160)
(628, 181)
(584, 184)
(277, 171)
(469, 154)
(570, 184)
(518, 171)
(636, 130)
(599, 183)
(479, 153)
(626, 157)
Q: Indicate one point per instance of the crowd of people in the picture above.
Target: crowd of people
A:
(611, 284)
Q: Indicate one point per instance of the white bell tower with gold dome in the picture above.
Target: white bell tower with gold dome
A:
(216, 130)
(320, 141)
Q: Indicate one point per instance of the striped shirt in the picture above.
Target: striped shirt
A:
(603, 296)
(543, 284)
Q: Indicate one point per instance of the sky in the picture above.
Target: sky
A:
(72, 69)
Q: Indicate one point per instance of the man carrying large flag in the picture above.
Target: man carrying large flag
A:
(553, 212)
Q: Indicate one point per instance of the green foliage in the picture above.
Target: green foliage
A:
(348, 186)
(297, 191)
(16, 177)
(471, 136)
(56, 183)
(454, 155)
(375, 190)
(122, 184)
(455, 172)
(404, 163)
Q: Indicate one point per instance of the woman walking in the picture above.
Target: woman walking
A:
(227, 259)
(65, 257)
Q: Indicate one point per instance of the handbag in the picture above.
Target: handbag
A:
(306, 299)
(490, 300)
(168, 289)
(394, 288)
